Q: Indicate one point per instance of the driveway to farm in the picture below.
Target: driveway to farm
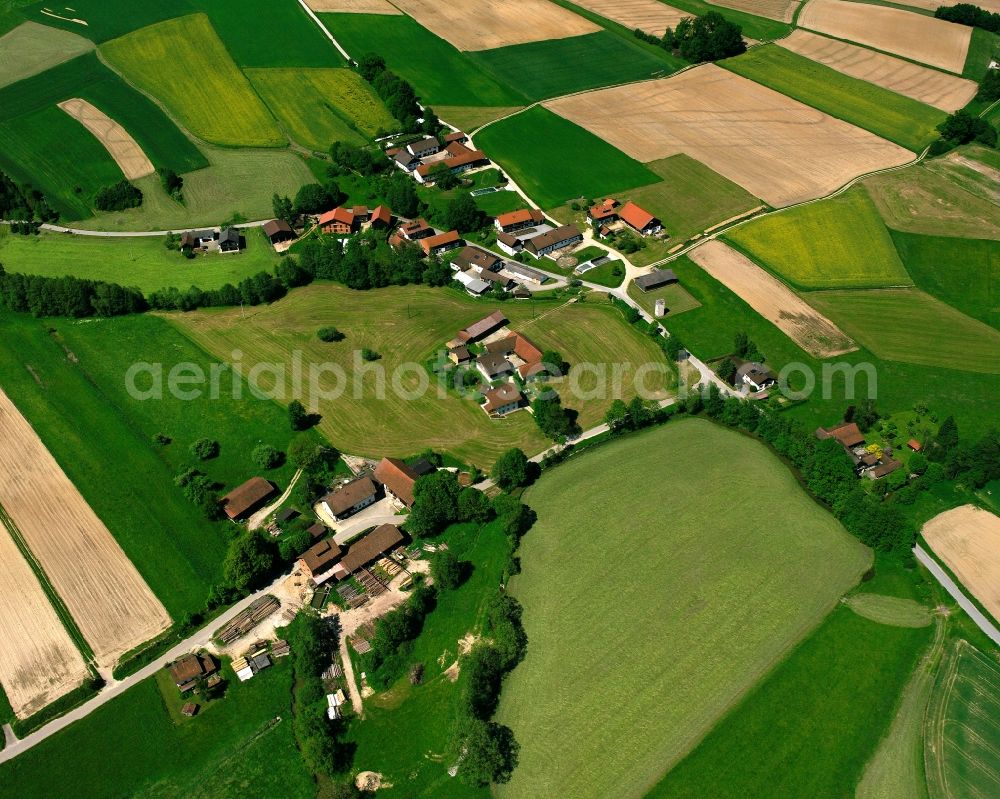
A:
(957, 594)
(258, 518)
(130, 234)
(114, 687)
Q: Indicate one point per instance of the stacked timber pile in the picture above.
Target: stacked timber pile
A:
(247, 619)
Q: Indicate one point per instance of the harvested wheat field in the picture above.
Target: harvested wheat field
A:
(776, 148)
(773, 300)
(488, 24)
(116, 140)
(967, 539)
(914, 36)
(781, 10)
(926, 85)
(38, 661)
(108, 599)
(933, 5)
(354, 6)
(651, 16)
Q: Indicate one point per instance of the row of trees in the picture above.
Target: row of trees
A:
(67, 296)
(971, 15)
(706, 38)
(23, 203)
(398, 95)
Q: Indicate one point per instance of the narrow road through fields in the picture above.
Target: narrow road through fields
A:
(949, 585)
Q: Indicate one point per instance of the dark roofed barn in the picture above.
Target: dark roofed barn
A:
(655, 279)
(245, 499)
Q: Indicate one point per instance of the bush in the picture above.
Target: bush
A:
(118, 197)
(266, 456)
(370, 355)
(205, 449)
(329, 334)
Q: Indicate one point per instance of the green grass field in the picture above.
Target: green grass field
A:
(554, 160)
(32, 48)
(185, 64)
(811, 726)
(677, 298)
(645, 623)
(754, 27)
(132, 747)
(320, 106)
(107, 19)
(76, 399)
(910, 326)
(965, 273)
(836, 243)
(899, 119)
(982, 50)
(410, 325)
(262, 33)
(141, 262)
(238, 183)
(561, 66)
(441, 74)
(963, 736)
(55, 153)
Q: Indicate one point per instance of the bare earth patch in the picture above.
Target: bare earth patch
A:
(947, 92)
(967, 539)
(354, 6)
(776, 148)
(116, 140)
(38, 661)
(914, 36)
(781, 10)
(488, 24)
(651, 16)
(107, 597)
(773, 300)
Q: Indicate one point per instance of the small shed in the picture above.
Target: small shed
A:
(189, 709)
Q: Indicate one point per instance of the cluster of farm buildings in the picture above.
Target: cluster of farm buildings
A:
(869, 460)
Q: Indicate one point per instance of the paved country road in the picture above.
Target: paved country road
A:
(957, 594)
(114, 688)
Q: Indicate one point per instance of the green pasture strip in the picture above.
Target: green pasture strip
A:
(983, 48)
(106, 19)
(892, 116)
(754, 27)
(554, 160)
(441, 74)
(556, 67)
(810, 727)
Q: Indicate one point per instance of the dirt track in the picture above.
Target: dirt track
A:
(782, 10)
(486, 24)
(773, 300)
(967, 539)
(947, 92)
(776, 148)
(354, 6)
(914, 36)
(110, 602)
(116, 140)
(651, 16)
(38, 661)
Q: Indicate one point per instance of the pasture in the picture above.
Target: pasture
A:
(923, 84)
(440, 73)
(650, 16)
(142, 262)
(185, 64)
(773, 300)
(894, 324)
(38, 660)
(691, 616)
(106, 596)
(318, 107)
(238, 184)
(954, 196)
(561, 66)
(106, 19)
(86, 77)
(32, 48)
(965, 273)
(261, 33)
(677, 299)
(237, 741)
(836, 243)
(913, 36)
(748, 14)
(967, 540)
(409, 327)
(789, 152)
(54, 152)
(810, 727)
(488, 24)
(963, 737)
(554, 160)
(892, 116)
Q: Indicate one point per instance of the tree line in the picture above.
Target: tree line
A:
(695, 39)
(21, 202)
(971, 15)
(398, 96)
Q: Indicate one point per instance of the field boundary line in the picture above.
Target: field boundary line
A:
(62, 611)
(326, 31)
